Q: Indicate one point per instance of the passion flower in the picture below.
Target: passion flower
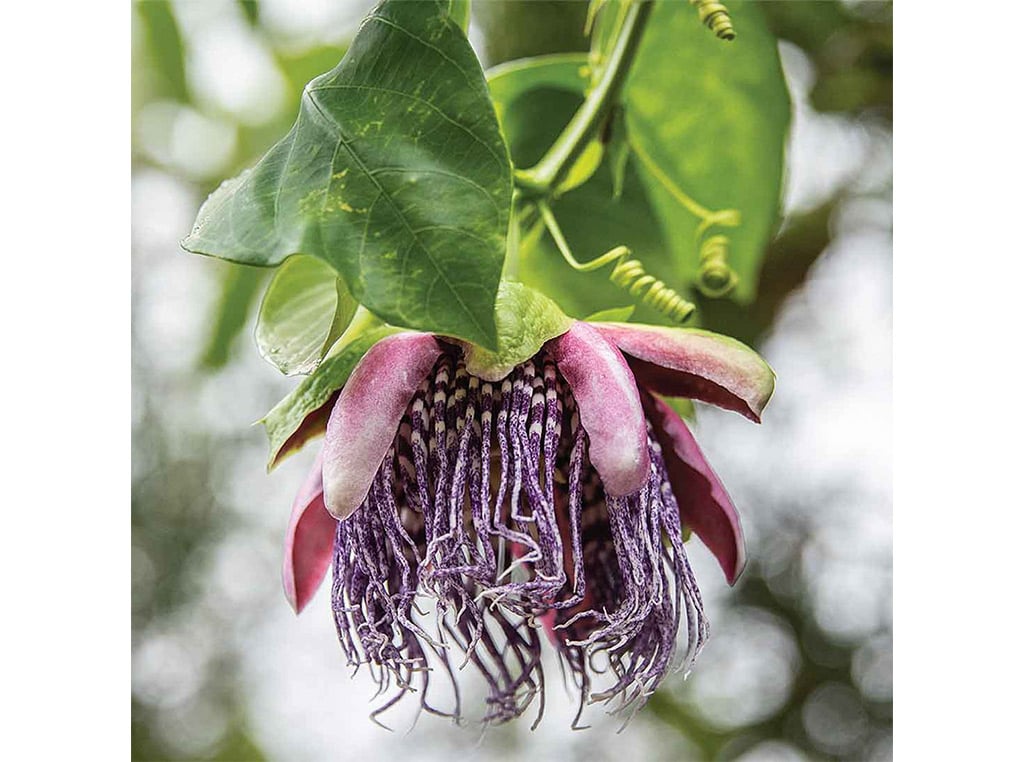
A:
(548, 487)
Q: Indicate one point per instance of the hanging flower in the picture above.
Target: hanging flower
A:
(548, 490)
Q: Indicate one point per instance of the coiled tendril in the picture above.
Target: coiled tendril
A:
(715, 16)
(628, 274)
(716, 277)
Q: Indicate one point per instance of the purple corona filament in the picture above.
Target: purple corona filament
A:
(488, 503)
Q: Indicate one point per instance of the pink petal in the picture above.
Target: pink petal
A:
(367, 413)
(609, 404)
(689, 362)
(309, 544)
(704, 505)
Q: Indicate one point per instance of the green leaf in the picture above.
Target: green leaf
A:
(709, 119)
(299, 314)
(526, 320)
(564, 71)
(460, 12)
(303, 414)
(395, 173)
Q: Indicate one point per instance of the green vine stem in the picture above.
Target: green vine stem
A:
(541, 179)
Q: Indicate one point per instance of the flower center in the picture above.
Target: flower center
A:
(488, 504)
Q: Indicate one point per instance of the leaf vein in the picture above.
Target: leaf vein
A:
(443, 173)
(345, 141)
(425, 43)
(418, 99)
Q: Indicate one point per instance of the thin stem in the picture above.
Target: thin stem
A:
(563, 246)
(590, 117)
(724, 217)
(511, 267)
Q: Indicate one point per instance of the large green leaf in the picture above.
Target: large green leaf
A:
(395, 173)
(301, 314)
(711, 117)
(303, 414)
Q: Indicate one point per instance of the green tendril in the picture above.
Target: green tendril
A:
(715, 17)
(628, 274)
(716, 277)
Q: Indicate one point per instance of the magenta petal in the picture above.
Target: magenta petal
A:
(700, 365)
(366, 416)
(704, 505)
(609, 404)
(309, 544)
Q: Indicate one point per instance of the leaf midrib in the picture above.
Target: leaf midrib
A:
(345, 142)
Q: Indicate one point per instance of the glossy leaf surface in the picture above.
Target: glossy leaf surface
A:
(709, 118)
(395, 173)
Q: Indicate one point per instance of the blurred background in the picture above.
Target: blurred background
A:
(799, 665)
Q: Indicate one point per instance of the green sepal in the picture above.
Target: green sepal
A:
(526, 319)
(305, 309)
(612, 315)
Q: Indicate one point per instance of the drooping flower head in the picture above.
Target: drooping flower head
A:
(540, 495)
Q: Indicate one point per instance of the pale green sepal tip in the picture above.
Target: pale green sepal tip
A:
(612, 315)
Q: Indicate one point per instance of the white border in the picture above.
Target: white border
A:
(65, 312)
(959, 298)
